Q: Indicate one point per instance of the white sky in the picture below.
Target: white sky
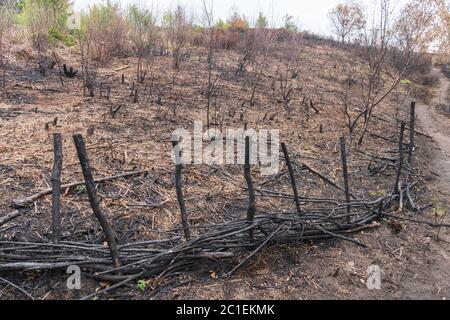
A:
(309, 14)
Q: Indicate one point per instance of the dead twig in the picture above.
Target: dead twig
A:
(323, 177)
(28, 201)
(17, 287)
(431, 224)
(9, 217)
(260, 247)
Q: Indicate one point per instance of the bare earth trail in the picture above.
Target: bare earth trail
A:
(438, 127)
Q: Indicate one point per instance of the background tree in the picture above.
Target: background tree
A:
(289, 23)
(84, 38)
(177, 23)
(415, 27)
(108, 31)
(7, 13)
(42, 17)
(261, 21)
(264, 46)
(246, 45)
(208, 25)
(442, 29)
(347, 18)
(414, 35)
(376, 41)
(237, 22)
(143, 36)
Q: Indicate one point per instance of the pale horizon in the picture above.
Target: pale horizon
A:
(309, 15)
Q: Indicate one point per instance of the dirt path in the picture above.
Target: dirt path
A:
(438, 126)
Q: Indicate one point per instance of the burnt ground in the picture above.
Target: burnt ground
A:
(414, 257)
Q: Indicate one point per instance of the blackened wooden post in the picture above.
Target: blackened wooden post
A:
(179, 189)
(400, 165)
(412, 125)
(92, 194)
(292, 176)
(345, 174)
(123, 78)
(251, 192)
(4, 80)
(56, 187)
(135, 97)
(380, 209)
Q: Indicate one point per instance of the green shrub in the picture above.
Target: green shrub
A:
(222, 25)
(64, 38)
(45, 21)
(107, 30)
(53, 12)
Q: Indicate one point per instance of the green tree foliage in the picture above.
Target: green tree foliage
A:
(105, 29)
(142, 22)
(262, 21)
(143, 33)
(53, 12)
(45, 21)
(289, 23)
(222, 25)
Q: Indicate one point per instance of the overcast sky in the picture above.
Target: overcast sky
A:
(310, 14)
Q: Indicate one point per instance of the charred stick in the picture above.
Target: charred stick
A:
(292, 175)
(260, 247)
(400, 165)
(11, 216)
(17, 287)
(56, 187)
(25, 202)
(345, 174)
(412, 122)
(179, 190)
(311, 103)
(251, 191)
(92, 194)
(323, 177)
(135, 96)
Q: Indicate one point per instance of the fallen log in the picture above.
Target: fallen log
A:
(28, 201)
